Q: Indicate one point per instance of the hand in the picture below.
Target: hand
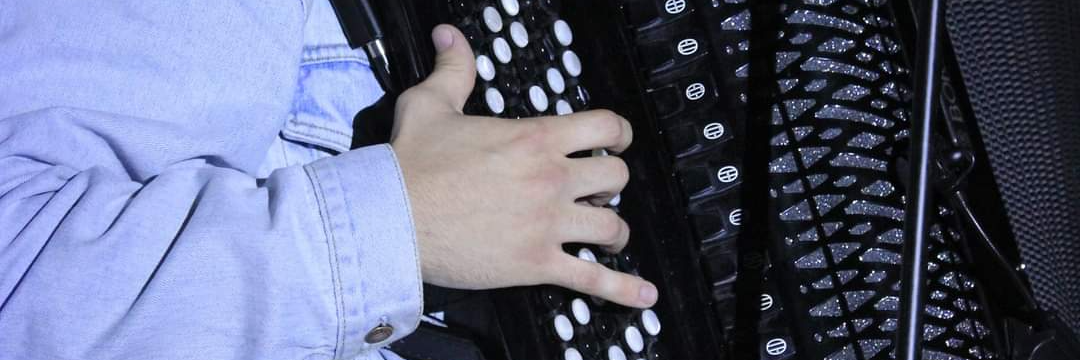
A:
(494, 199)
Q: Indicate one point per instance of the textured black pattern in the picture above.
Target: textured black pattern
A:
(1019, 59)
(841, 113)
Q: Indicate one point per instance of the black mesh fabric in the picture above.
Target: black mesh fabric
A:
(1021, 62)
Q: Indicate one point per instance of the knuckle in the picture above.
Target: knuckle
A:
(608, 126)
(587, 281)
(610, 227)
(619, 171)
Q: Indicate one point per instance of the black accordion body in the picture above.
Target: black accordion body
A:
(768, 174)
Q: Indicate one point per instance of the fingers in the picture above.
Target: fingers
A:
(596, 280)
(454, 75)
(595, 225)
(595, 129)
(598, 176)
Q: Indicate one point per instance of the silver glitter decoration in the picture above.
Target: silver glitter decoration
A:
(739, 22)
(776, 118)
(939, 312)
(830, 133)
(783, 164)
(890, 90)
(875, 42)
(875, 276)
(828, 308)
(819, 2)
(780, 139)
(840, 112)
(800, 211)
(816, 179)
(847, 275)
(851, 92)
(938, 295)
(930, 332)
(826, 202)
(954, 343)
(860, 229)
(796, 107)
(811, 155)
(847, 353)
(866, 140)
(823, 283)
(836, 45)
(856, 299)
(880, 188)
(802, 38)
(813, 260)
(841, 251)
(816, 85)
(802, 131)
(879, 255)
(863, 207)
(743, 71)
(879, 104)
(831, 66)
(839, 332)
(864, 56)
(787, 84)
(888, 303)
(853, 160)
(810, 235)
(888, 325)
(862, 324)
(845, 181)
(815, 18)
(794, 187)
(964, 327)
(891, 236)
(872, 347)
(949, 279)
(831, 227)
(785, 58)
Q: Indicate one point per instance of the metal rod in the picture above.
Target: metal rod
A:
(919, 202)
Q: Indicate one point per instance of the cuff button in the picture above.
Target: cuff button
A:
(379, 334)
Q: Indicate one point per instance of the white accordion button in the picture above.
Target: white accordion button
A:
(571, 63)
(511, 7)
(501, 50)
(572, 354)
(494, 100)
(562, 33)
(492, 19)
(586, 254)
(650, 322)
(633, 339)
(555, 80)
(485, 68)
(562, 107)
(519, 35)
(538, 98)
(615, 353)
(580, 310)
(563, 328)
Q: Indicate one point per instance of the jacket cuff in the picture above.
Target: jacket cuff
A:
(373, 246)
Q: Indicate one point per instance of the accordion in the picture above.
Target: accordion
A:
(768, 175)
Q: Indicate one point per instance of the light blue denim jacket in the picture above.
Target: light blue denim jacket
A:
(167, 190)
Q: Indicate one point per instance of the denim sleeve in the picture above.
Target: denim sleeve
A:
(130, 224)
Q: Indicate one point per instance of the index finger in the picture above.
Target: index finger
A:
(587, 130)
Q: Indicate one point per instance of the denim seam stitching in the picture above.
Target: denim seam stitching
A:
(320, 196)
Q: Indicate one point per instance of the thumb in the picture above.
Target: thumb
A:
(455, 67)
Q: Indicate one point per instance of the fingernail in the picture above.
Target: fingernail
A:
(443, 38)
(647, 295)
